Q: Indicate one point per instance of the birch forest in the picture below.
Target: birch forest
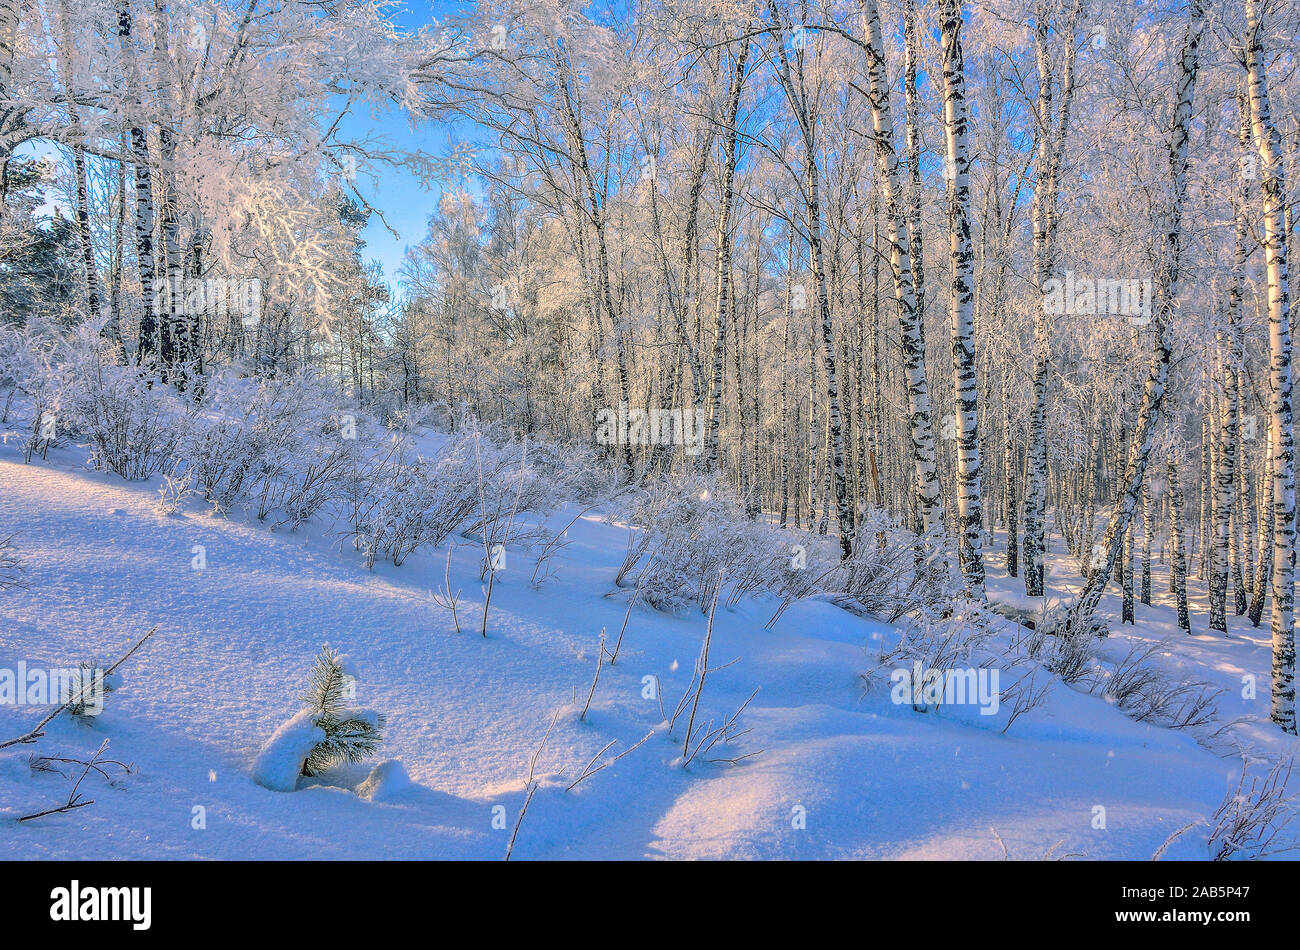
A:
(949, 314)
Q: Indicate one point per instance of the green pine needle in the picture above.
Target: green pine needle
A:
(348, 738)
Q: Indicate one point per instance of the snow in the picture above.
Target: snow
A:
(387, 782)
(280, 762)
(842, 772)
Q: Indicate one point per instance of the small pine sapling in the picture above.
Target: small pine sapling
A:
(90, 689)
(351, 736)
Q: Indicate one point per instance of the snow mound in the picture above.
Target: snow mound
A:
(280, 762)
(387, 781)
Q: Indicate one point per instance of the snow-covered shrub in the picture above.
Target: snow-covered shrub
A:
(507, 485)
(1148, 694)
(249, 433)
(1066, 649)
(397, 502)
(1068, 624)
(1254, 821)
(73, 384)
(304, 485)
(575, 471)
(130, 418)
(693, 536)
(772, 563)
(34, 360)
(409, 418)
(174, 490)
(219, 454)
(958, 655)
(894, 572)
(454, 477)
(10, 343)
(388, 495)
(1070, 658)
(324, 733)
(936, 644)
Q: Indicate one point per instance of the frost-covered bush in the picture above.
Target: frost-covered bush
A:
(1255, 821)
(302, 486)
(73, 384)
(894, 572)
(34, 363)
(508, 484)
(1146, 693)
(220, 453)
(249, 434)
(176, 487)
(408, 418)
(576, 471)
(957, 655)
(130, 418)
(691, 533)
(398, 502)
(1066, 647)
(692, 536)
(1069, 623)
(940, 644)
(387, 494)
(10, 343)
(286, 449)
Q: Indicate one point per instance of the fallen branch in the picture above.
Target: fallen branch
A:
(600, 661)
(588, 771)
(530, 783)
(39, 729)
(97, 761)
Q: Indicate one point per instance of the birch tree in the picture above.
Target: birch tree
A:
(961, 305)
(921, 430)
(1281, 437)
(1166, 294)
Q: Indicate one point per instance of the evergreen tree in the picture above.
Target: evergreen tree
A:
(350, 735)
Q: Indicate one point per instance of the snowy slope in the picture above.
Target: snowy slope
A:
(465, 714)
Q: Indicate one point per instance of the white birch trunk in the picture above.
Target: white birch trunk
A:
(1269, 145)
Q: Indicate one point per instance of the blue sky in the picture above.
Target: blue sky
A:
(399, 195)
(405, 201)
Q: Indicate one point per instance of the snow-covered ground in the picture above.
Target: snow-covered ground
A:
(842, 772)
